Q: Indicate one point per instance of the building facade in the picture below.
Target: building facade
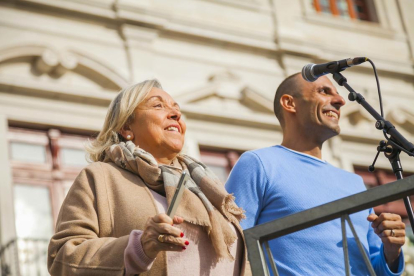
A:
(63, 61)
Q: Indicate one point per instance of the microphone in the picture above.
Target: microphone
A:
(312, 72)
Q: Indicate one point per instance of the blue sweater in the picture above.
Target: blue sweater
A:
(274, 182)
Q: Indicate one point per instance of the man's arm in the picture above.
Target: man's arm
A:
(247, 182)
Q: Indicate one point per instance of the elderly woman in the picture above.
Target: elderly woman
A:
(113, 219)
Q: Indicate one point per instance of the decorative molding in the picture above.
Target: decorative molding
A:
(93, 8)
(56, 62)
(252, 97)
(133, 13)
(101, 71)
(197, 93)
(358, 26)
(259, 121)
(228, 86)
(242, 4)
(355, 114)
(56, 91)
(402, 117)
(50, 62)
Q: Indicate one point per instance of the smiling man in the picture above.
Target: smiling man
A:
(274, 182)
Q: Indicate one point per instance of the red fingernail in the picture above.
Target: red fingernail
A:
(182, 234)
(187, 242)
(184, 247)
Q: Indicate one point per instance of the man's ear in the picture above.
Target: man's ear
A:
(288, 103)
(127, 133)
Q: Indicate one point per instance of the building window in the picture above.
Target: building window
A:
(45, 159)
(32, 205)
(44, 165)
(220, 161)
(34, 226)
(26, 152)
(355, 9)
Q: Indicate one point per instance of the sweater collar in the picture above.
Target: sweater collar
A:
(303, 154)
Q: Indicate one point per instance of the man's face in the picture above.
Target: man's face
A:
(318, 110)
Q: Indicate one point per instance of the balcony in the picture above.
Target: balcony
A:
(24, 257)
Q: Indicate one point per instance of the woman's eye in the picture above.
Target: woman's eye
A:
(158, 105)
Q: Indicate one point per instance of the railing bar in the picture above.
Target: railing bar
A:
(256, 256)
(255, 236)
(37, 259)
(267, 273)
(16, 256)
(361, 247)
(271, 259)
(345, 246)
(24, 253)
(333, 210)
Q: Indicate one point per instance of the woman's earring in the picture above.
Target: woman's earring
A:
(128, 137)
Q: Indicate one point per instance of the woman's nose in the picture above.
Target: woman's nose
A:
(174, 114)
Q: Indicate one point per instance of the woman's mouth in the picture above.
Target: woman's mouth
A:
(172, 128)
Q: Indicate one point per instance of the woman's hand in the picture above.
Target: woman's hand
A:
(172, 240)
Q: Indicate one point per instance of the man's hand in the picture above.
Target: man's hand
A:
(391, 231)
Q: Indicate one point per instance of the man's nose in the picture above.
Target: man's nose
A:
(338, 101)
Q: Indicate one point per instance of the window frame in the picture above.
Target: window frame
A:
(51, 174)
(353, 14)
(220, 157)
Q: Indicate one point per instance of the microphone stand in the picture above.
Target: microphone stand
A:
(392, 148)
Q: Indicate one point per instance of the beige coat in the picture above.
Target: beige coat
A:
(103, 206)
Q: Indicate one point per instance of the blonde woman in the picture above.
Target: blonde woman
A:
(113, 220)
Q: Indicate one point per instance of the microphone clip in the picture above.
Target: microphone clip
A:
(383, 147)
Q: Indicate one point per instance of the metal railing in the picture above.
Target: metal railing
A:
(9, 264)
(259, 235)
(24, 257)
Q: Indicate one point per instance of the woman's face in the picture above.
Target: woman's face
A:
(158, 127)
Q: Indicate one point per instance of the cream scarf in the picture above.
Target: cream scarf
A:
(205, 202)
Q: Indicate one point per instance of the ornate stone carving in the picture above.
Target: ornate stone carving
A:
(54, 63)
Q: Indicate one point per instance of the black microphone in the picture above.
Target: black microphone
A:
(312, 72)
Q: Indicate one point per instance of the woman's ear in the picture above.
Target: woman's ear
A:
(127, 133)
(288, 103)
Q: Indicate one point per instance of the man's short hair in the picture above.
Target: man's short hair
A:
(289, 86)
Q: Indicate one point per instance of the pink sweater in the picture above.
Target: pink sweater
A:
(198, 259)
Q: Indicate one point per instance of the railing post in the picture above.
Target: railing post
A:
(271, 259)
(345, 246)
(361, 247)
(256, 256)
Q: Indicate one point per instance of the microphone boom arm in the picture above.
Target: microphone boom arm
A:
(396, 143)
(381, 123)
